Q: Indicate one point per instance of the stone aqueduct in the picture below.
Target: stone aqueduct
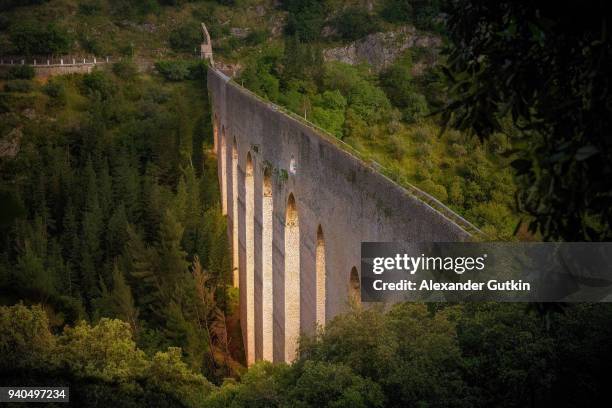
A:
(298, 207)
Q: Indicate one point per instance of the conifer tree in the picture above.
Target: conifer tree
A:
(181, 201)
(151, 203)
(122, 300)
(125, 184)
(116, 233)
(142, 265)
(105, 189)
(172, 258)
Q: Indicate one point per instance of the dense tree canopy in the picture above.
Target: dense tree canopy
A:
(547, 67)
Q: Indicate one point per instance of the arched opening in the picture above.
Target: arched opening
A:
(320, 278)
(223, 165)
(354, 287)
(292, 279)
(216, 134)
(250, 257)
(267, 209)
(235, 213)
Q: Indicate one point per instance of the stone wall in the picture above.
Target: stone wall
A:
(47, 66)
(325, 202)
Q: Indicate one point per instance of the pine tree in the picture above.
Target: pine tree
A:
(70, 243)
(181, 201)
(217, 255)
(142, 264)
(185, 133)
(105, 188)
(92, 217)
(194, 201)
(87, 278)
(172, 258)
(125, 184)
(122, 300)
(151, 203)
(116, 233)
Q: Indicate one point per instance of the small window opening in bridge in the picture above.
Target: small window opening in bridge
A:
(292, 165)
(223, 165)
(354, 287)
(320, 275)
(267, 277)
(292, 279)
(235, 260)
(250, 257)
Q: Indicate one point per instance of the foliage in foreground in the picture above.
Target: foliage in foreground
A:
(547, 66)
(470, 355)
(103, 357)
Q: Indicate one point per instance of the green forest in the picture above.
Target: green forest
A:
(115, 266)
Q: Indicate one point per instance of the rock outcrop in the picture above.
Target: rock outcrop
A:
(381, 49)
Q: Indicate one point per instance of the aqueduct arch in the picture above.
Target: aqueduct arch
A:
(216, 134)
(354, 286)
(320, 278)
(234, 207)
(249, 284)
(223, 166)
(267, 210)
(292, 278)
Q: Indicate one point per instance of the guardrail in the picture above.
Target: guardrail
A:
(52, 61)
(414, 191)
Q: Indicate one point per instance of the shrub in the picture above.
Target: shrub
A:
(398, 11)
(125, 69)
(397, 147)
(25, 339)
(18, 85)
(422, 13)
(416, 107)
(180, 70)
(173, 70)
(99, 83)
(20, 72)
(31, 38)
(185, 38)
(90, 8)
(455, 193)
(355, 23)
(423, 150)
(498, 143)
(457, 150)
(435, 190)
(420, 135)
(256, 37)
(495, 214)
(56, 91)
(305, 19)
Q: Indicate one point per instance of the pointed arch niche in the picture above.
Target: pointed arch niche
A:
(267, 209)
(223, 165)
(320, 278)
(292, 278)
(354, 287)
(249, 217)
(216, 134)
(235, 259)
